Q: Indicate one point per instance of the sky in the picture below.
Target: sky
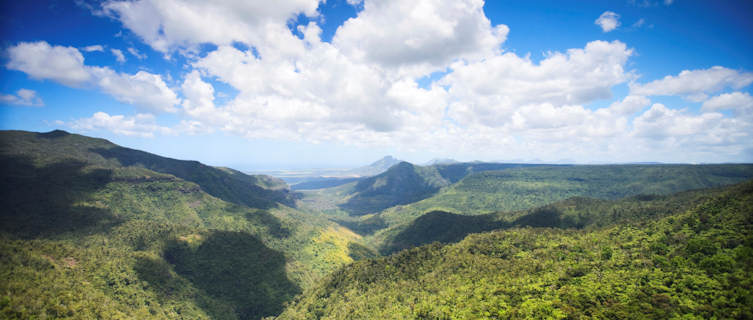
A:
(327, 84)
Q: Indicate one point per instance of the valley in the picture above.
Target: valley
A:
(90, 229)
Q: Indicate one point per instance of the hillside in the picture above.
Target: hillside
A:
(406, 183)
(522, 188)
(224, 183)
(93, 230)
(577, 212)
(690, 264)
(402, 183)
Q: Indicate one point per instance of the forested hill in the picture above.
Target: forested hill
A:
(92, 230)
(690, 264)
(522, 188)
(405, 183)
(576, 212)
(224, 183)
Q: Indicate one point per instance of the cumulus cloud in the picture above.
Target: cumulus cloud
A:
(41, 61)
(66, 65)
(695, 84)
(398, 33)
(740, 102)
(608, 21)
(143, 89)
(166, 25)
(363, 89)
(489, 91)
(141, 125)
(23, 97)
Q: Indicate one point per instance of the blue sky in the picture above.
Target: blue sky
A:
(305, 84)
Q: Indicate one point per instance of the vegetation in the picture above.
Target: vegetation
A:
(82, 235)
(577, 212)
(406, 183)
(90, 229)
(522, 188)
(693, 264)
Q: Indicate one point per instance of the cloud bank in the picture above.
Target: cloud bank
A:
(369, 87)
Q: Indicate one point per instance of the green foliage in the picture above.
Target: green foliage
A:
(402, 183)
(227, 184)
(692, 263)
(523, 188)
(575, 212)
(83, 236)
(406, 183)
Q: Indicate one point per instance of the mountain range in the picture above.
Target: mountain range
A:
(90, 229)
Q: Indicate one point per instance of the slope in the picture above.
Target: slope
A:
(406, 183)
(692, 264)
(227, 184)
(522, 188)
(577, 212)
(82, 235)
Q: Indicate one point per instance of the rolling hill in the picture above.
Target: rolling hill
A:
(686, 263)
(406, 183)
(90, 229)
(521, 188)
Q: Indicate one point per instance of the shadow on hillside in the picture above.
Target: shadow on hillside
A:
(440, 226)
(273, 224)
(235, 268)
(239, 189)
(363, 227)
(446, 227)
(45, 201)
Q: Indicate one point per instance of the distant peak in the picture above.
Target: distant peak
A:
(386, 161)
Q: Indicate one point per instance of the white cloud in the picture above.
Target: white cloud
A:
(398, 33)
(694, 84)
(119, 57)
(41, 61)
(740, 102)
(166, 25)
(143, 89)
(629, 105)
(679, 130)
(136, 53)
(199, 96)
(489, 91)
(66, 65)
(23, 97)
(93, 48)
(608, 21)
(140, 125)
(639, 23)
(362, 88)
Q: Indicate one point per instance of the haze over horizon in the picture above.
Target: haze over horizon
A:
(308, 84)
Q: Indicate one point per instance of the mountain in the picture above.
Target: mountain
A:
(375, 168)
(400, 184)
(89, 229)
(526, 187)
(692, 263)
(406, 183)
